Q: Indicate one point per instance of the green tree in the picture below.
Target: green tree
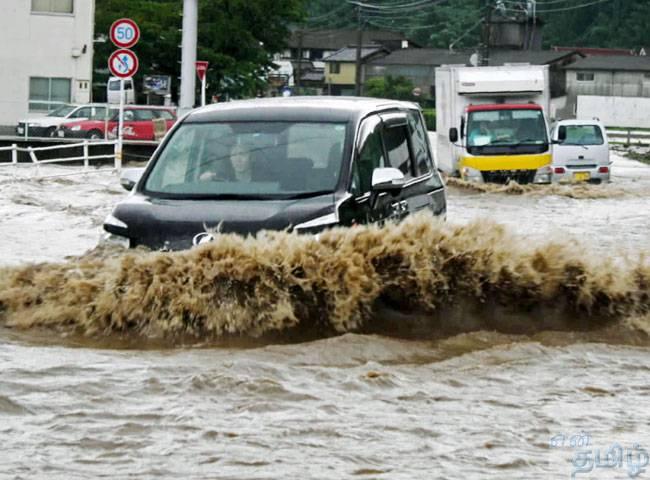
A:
(612, 23)
(395, 88)
(237, 37)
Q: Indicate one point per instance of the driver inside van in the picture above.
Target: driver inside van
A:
(238, 167)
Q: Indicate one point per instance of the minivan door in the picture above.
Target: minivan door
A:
(366, 207)
(426, 190)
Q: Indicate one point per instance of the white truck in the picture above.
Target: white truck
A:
(492, 123)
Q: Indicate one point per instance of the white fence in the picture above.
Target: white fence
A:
(86, 158)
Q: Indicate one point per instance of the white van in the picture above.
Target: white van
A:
(580, 152)
(113, 91)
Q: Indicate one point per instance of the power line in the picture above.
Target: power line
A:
(562, 9)
(370, 6)
(324, 16)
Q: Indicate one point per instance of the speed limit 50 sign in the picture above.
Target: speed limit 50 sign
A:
(124, 33)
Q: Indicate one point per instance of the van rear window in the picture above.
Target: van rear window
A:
(583, 135)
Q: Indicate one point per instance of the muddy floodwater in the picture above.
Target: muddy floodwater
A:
(512, 341)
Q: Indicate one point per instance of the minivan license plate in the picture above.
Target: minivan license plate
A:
(581, 176)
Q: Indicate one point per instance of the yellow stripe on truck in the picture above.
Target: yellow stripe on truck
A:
(506, 162)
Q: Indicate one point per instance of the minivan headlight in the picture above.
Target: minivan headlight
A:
(329, 220)
(113, 239)
(115, 232)
(113, 221)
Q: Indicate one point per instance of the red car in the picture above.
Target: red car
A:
(139, 124)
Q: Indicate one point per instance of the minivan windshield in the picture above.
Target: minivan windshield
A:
(249, 160)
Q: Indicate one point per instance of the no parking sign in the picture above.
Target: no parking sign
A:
(123, 63)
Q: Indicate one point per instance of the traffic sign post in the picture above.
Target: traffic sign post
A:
(201, 71)
(123, 63)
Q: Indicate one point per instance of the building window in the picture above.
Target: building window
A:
(47, 94)
(53, 6)
(585, 77)
(335, 67)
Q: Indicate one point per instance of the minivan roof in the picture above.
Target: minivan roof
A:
(585, 121)
(321, 109)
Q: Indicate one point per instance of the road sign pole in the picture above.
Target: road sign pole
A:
(188, 61)
(203, 91)
(120, 129)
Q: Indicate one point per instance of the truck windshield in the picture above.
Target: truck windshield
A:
(506, 128)
(249, 160)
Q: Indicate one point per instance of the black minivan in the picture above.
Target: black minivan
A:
(298, 163)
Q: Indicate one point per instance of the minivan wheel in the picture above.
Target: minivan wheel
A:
(95, 135)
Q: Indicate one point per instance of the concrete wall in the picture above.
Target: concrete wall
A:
(629, 112)
(609, 83)
(42, 45)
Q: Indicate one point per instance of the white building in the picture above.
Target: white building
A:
(46, 55)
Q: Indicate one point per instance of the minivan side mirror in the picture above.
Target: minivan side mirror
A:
(453, 135)
(387, 180)
(561, 134)
(130, 177)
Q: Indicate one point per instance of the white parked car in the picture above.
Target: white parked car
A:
(113, 91)
(580, 152)
(46, 126)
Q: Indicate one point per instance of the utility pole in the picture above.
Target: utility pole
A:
(188, 53)
(487, 35)
(357, 78)
(296, 80)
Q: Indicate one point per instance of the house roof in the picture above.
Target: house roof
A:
(336, 39)
(595, 50)
(349, 54)
(621, 63)
(534, 57)
(437, 57)
(422, 56)
(317, 75)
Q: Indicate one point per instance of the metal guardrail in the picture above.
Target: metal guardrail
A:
(629, 136)
(86, 157)
(21, 139)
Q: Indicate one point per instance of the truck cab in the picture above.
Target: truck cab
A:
(491, 123)
(505, 142)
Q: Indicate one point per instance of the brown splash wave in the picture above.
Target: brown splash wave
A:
(576, 191)
(366, 279)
